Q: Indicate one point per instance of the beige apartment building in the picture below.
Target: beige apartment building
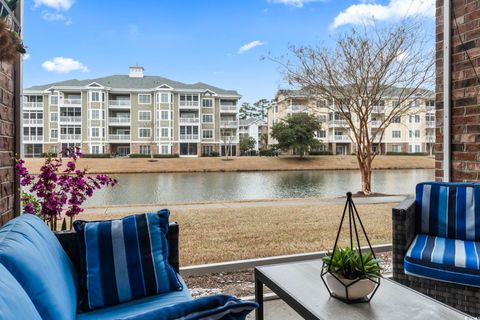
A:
(411, 133)
(130, 114)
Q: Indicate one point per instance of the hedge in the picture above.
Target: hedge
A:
(96, 155)
(166, 156)
(265, 153)
(49, 154)
(407, 154)
(211, 154)
(320, 153)
(138, 155)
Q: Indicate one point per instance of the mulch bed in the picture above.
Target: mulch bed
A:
(241, 283)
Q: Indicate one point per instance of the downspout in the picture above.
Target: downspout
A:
(447, 25)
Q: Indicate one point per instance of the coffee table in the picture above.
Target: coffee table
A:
(300, 286)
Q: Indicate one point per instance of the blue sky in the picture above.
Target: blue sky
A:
(220, 42)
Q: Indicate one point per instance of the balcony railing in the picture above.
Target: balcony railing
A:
(189, 120)
(228, 108)
(194, 104)
(339, 122)
(72, 102)
(342, 137)
(123, 104)
(71, 119)
(33, 105)
(232, 139)
(189, 136)
(33, 138)
(375, 123)
(228, 124)
(296, 108)
(29, 122)
(378, 109)
(119, 120)
(73, 137)
(430, 124)
(119, 137)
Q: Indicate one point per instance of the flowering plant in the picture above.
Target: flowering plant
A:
(56, 190)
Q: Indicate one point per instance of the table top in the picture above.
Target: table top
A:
(300, 282)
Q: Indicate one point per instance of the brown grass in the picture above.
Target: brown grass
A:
(210, 235)
(126, 165)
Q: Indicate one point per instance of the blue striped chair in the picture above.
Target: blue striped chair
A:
(436, 243)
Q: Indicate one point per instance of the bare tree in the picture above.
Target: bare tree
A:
(227, 138)
(366, 65)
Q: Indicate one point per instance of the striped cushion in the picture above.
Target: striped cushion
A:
(444, 259)
(450, 210)
(124, 259)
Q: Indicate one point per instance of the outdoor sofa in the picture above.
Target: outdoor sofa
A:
(39, 279)
(436, 243)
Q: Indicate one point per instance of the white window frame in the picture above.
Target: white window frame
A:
(54, 96)
(399, 134)
(161, 133)
(207, 130)
(162, 146)
(207, 115)
(149, 132)
(145, 112)
(51, 118)
(208, 99)
(161, 94)
(162, 112)
(99, 132)
(143, 146)
(91, 114)
(91, 94)
(51, 136)
(143, 95)
(417, 134)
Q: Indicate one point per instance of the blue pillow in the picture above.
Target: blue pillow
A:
(124, 259)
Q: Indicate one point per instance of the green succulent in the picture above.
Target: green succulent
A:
(347, 263)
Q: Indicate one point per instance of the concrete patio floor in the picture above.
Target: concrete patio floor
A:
(277, 310)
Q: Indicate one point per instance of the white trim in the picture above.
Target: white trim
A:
(208, 114)
(203, 138)
(146, 111)
(91, 85)
(144, 94)
(145, 128)
(50, 134)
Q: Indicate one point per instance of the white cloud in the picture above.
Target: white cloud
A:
(295, 3)
(55, 4)
(56, 17)
(250, 46)
(63, 65)
(366, 12)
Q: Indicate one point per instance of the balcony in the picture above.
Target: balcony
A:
(119, 137)
(189, 137)
(430, 108)
(189, 104)
(32, 122)
(33, 105)
(189, 120)
(229, 124)
(341, 137)
(72, 102)
(71, 119)
(338, 123)
(228, 108)
(378, 109)
(296, 108)
(375, 123)
(231, 139)
(119, 121)
(33, 138)
(430, 124)
(71, 137)
(119, 104)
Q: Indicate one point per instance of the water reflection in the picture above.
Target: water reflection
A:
(147, 188)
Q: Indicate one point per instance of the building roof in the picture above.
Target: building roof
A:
(126, 82)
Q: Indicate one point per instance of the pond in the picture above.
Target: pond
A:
(150, 188)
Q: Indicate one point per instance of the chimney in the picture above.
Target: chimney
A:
(136, 72)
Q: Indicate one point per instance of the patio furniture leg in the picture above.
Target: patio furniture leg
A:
(259, 299)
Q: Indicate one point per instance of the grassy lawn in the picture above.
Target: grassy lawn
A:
(126, 165)
(224, 234)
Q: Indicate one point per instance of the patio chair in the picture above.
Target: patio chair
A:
(436, 243)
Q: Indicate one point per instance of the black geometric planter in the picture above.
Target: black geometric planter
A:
(355, 225)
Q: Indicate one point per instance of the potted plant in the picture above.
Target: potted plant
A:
(11, 45)
(352, 275)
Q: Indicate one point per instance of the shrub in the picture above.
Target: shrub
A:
(138, 155)
(266, 153)
(320, 153)
(49, 154)
(211, 154)
(407, 154)
(166, 156)
(96, 155)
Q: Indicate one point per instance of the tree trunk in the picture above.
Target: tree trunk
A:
(366, 172)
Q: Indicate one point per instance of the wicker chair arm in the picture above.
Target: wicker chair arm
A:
(403, 232)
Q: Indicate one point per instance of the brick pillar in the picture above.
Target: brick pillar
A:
(465, 108)
(7, 142)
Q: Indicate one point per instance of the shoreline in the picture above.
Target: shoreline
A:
(239, 164)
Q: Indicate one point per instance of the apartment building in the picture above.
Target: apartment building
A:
(254, 128)
(410, 133)
(134, 113)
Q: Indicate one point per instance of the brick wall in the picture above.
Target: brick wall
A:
(7, 142)
(465, 108)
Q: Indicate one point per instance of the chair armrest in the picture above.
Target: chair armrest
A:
(403, 232)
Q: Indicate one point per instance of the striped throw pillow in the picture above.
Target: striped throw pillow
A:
(124, 259)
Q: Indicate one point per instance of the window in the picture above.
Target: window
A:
(95, 114)
(397, 119)
(417, 133)
(164, 133)
(276, 108)
(417, 148)
(164, 97)
(207, 103)
(207, 150)
(396, 134)
(144, 115)
(54, 117)
(53, 99)
(322, 118)
(145, 149)
(189, 100)
(164, 115)
(165, 149)
(54, 134)
(322, 134)
(322, 104)
(396, 148)
(144, 132)
(144, 99)
(96, 149)
(430, 103)
(94, 96)
(95, 132)
(415, 118)
(207, 134)
(207, 118)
